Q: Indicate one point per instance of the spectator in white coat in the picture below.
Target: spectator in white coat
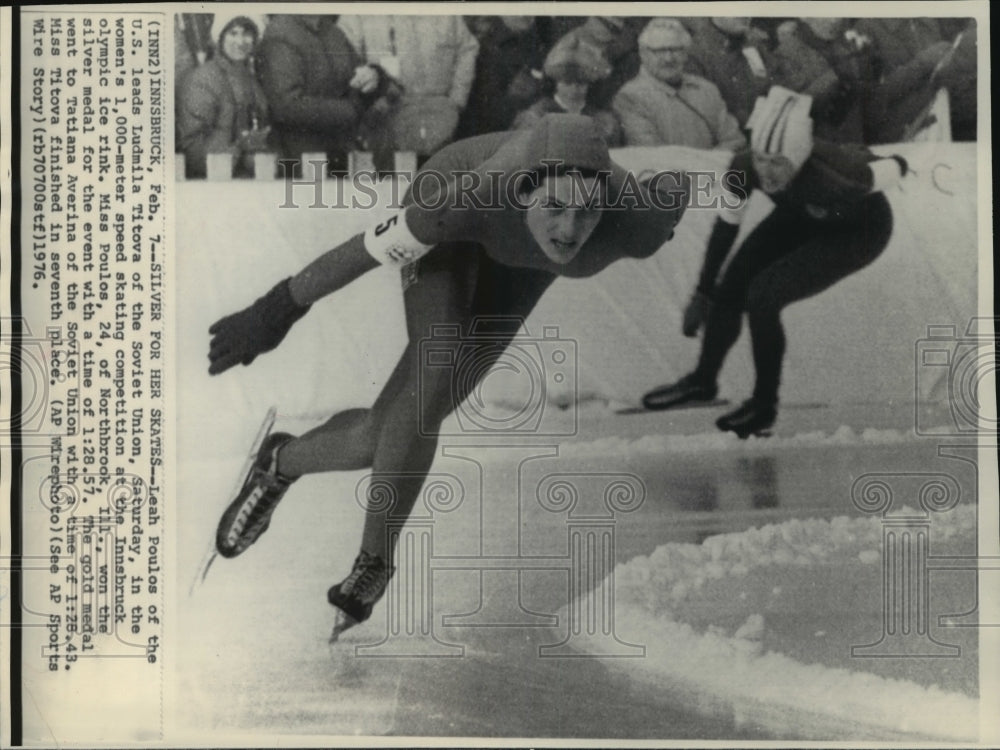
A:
(433, 58)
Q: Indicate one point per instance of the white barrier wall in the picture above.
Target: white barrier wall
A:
(854, 343)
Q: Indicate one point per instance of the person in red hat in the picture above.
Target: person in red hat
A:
(561, 208)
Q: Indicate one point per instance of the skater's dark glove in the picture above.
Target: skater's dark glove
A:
(696, 313)
(240, 337)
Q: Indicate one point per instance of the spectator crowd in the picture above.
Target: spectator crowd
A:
(324, 84)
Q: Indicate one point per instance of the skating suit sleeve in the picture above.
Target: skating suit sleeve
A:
(738, 182)
(835, 180)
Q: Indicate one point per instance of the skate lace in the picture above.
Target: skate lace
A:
(255, 512)
(367, 579)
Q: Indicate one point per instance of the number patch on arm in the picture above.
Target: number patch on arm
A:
(392, 244)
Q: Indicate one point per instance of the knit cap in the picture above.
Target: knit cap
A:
(780, 124)
(222, 22)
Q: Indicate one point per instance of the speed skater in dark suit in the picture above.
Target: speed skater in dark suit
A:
(830, 220)
(560, 207)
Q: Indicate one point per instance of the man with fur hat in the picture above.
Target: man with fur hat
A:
(485, 250)
(571, 68)
(664, 105)
(830, 220)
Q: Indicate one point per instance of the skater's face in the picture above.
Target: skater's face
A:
(237, 43)
(562, 213)
(774, 171)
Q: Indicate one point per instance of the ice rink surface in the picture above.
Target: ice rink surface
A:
(256, 658)
(637, 576)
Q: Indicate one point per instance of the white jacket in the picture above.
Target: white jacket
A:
(437, 54)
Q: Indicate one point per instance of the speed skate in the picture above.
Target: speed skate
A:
(212, 551)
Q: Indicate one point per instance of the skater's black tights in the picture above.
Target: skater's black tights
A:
(788, 257)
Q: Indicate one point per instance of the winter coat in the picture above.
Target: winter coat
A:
(904, 86)
(219, 100)
(653, 113)
(837, 73)
(306, 65)
(719, 58)
(437, 54)
(433, 58)
(507, 79)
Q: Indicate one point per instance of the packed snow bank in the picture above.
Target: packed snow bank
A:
(854, 342)
(718, 673)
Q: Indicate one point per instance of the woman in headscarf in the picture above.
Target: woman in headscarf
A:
(222, 109)
(830, 220)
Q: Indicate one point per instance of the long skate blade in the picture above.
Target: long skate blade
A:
(262, 433)
(206, 563)
(212, 552)
(640, 409)
(342, 622)
(244, 475)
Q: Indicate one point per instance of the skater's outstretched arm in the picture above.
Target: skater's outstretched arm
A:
(331, 271)
(239, 338)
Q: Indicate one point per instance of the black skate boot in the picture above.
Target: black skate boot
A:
(249, 515)
(688, 388)
(357, 595)
(752, 418)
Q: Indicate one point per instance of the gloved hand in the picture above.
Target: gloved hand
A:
(365, 80)
(240, 337)
(696, 313)
(253, 141)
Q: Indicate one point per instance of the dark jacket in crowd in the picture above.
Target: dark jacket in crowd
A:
(508, 77)
(907, 51)
(306, 65)
(719, 58)
(218, 101)
(837, 73)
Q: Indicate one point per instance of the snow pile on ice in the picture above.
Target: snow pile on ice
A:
(726, 673)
